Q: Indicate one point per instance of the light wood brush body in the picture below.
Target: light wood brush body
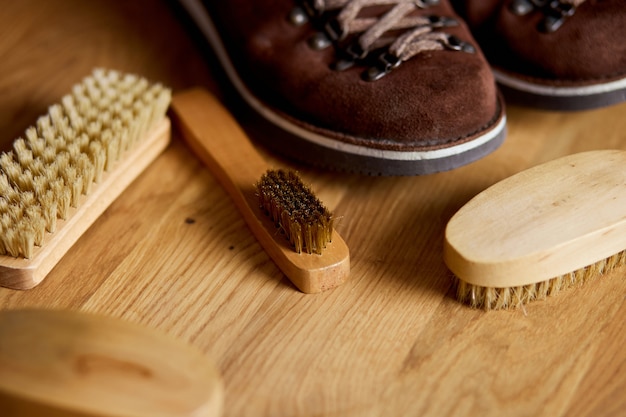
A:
(56, 363)
(221, 144)
(540, 231)
(70, 167)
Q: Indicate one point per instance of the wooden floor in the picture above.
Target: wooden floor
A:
(390, 342)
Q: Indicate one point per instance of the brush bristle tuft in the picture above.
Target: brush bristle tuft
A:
(306, 222)
(68, 150)
(490, 298)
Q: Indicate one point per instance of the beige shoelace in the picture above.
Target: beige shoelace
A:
(399, 32)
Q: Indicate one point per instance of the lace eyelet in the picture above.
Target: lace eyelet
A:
(456, 44)
(523, 7)
(385, 63)
(555, 12)
(555, 16)
(319, 41)
(349, 56)
(298, 16)
(332, 32)
(442, 21)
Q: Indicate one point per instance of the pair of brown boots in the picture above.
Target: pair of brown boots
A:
(396, 87)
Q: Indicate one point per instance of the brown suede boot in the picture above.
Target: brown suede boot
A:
(371, 86)
(563, 55)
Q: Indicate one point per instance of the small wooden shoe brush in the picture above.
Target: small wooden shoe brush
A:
(56, 363)
(71, 165)
(540, 231)
(307, 249)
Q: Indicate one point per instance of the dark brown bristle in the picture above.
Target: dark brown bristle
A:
(293, 207)
(491, 298)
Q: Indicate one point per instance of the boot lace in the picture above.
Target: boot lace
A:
(555, 11)
(380, 41)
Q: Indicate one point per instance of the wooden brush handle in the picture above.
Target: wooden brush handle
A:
(221, 144)
(66, 364)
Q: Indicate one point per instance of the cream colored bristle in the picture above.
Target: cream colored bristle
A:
(86, 170)
(62, 196)
(98, 158)
(49, 210)
(491, 298)
(70, 148)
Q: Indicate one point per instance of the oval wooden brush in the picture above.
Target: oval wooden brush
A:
(56, 363)
(540, 231)
(216, 138)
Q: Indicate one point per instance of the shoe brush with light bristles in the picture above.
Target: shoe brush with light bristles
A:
(68, 168)
(291, 224)
(543, 230)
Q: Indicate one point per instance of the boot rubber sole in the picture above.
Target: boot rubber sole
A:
(565, 98)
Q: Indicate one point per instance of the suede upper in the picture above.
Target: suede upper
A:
(589, 46)
(433, 100)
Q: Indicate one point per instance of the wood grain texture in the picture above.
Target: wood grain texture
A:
(173, 253)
